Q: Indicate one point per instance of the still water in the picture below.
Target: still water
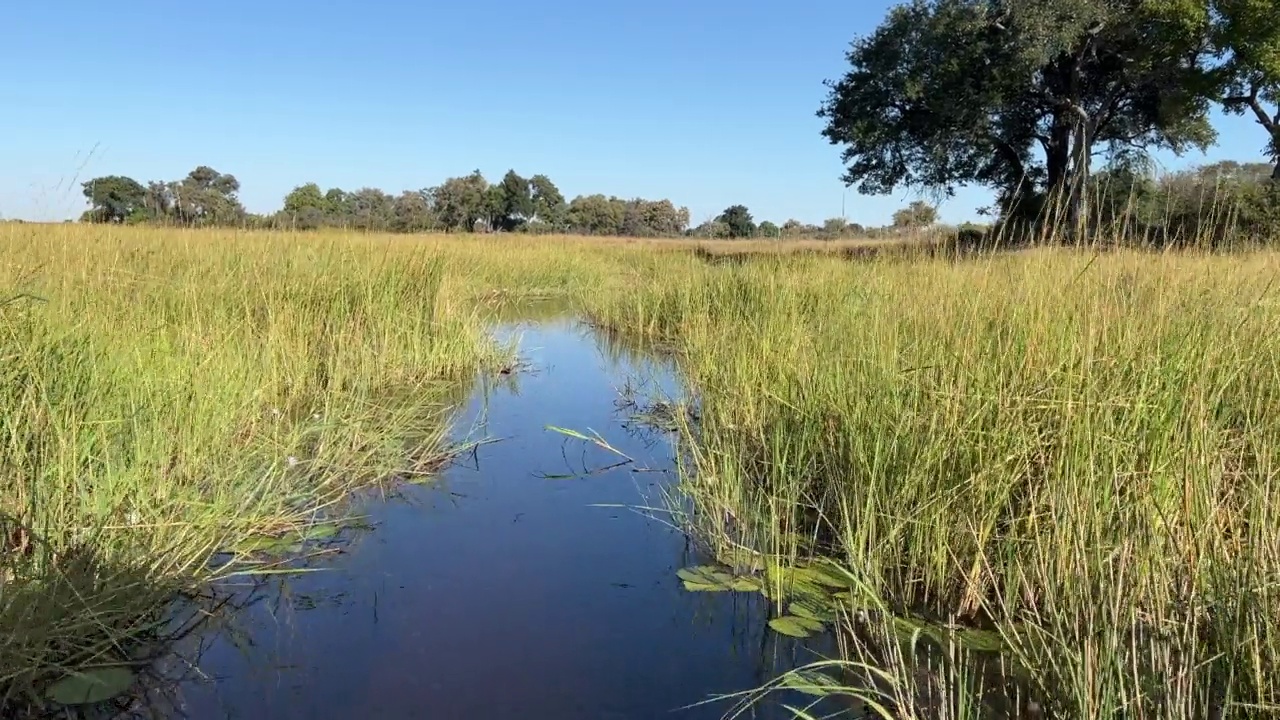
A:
(505, 589)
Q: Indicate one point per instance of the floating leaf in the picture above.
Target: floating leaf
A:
(701, 574)
(828, 573)
(740, 558)
(320, 532)
(795, 626)
(972, 639)
(91, 686)
(813, 625)
(812, 611)
(810, 682)
(708, 578)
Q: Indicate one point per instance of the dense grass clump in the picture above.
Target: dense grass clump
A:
(165, 396)
(1080, 451)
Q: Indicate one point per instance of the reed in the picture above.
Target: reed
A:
(1077, 450)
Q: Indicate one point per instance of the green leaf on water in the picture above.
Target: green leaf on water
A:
(571, 433)
(320, 532)
(795, 626)
(91, 686)
(810, 682)
(813, 625)
(831, 575)
(813, 611)
(268, 544)
(709, 578)
(703, 574)
(740, 558)
(972, 639)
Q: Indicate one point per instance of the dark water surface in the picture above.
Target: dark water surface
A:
(497, 592)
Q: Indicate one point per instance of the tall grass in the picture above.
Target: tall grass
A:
(166, 395)
(1080, 451)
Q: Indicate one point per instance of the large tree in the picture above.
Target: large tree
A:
(303, 197)
(207, 196)
(916, 215)
(114, 198)
(413, 211)
(1247, 34)
(372, 209)
(596, 214)
(1018, 95)
(462, 202)
(549, 206)
(513, 201)
(739, 221)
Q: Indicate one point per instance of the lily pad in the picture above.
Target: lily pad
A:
(740, 558)
(972, 639)
(270, 545)
(91, 686)
(795, 626)
(831, 575)
(708, 578)
(320, 532)
(907, 628)
(796, 585)
(813, 611)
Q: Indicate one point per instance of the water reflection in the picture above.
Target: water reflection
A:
(497, 593)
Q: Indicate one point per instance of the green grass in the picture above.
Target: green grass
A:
(166, 396)
(1078, 451)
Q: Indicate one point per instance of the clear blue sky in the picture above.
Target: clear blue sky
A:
(706, 103)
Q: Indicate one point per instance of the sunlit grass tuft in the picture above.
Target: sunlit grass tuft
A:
(165, 396)
(1079, 449)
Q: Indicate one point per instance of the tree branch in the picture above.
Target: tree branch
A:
(1252, 102)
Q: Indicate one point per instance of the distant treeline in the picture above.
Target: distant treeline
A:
(207, 197)
(469, 203)
(1217, 199)
(1210, 204)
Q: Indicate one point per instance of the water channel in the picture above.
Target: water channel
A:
(525, 582)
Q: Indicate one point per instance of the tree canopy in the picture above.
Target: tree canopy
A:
(114, 198)
(916, 215)
(1246, 34)
(465, 203)
(738, 220)
(1018, 95)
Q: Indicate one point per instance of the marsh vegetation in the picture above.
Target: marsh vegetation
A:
(1071, 451)
(1025, 469)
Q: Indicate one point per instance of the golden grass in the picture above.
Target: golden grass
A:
(165, 396)
(1078, 449)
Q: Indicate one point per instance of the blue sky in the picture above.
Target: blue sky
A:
(706, 103)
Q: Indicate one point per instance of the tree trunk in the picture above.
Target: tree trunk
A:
(1078, 207)
(1058, 155)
